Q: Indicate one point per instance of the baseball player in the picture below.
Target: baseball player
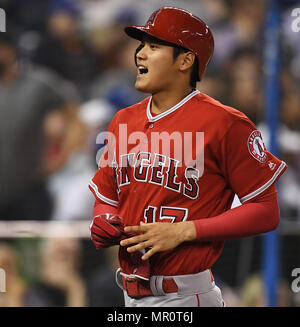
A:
(171, 168)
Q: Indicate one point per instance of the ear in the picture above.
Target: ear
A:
(187, 61)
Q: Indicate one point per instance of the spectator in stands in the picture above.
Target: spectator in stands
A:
(64, 50)
(72, 199)
(240, 28)
(61, 283)
(101, 286)
(245, 85)
(15, 287)
(253, 292)
(115, 83)
(28, 98)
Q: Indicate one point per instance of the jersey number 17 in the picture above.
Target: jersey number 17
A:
(165, 214)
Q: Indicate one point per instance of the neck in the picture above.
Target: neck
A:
(165, 100)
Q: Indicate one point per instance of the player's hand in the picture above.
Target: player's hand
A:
(107, 230)
(158, 236)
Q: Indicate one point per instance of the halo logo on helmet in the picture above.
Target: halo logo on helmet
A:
(151, 20)
(179, 27)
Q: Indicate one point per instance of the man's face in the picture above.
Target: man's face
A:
(156, 68)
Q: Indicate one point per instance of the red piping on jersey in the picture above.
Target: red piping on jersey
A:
(198, 300)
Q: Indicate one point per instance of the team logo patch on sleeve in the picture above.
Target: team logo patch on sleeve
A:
(257, 147)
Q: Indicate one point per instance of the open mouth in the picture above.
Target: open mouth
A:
(142, 70)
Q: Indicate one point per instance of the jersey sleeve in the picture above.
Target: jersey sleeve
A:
(104, 184)
(249, 167)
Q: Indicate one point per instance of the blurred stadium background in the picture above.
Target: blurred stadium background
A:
(66, 67)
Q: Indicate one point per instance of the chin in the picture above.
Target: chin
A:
(142, 88)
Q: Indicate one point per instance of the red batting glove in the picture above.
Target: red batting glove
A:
(107, 230)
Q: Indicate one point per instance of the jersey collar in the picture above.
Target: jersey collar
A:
(167, 112)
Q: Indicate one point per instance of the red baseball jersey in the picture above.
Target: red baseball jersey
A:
(186, 163)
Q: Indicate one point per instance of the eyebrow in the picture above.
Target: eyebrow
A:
(152, 39)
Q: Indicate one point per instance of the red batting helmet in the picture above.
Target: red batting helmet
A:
(179, 27)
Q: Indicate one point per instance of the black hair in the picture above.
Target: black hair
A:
(177, 51)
